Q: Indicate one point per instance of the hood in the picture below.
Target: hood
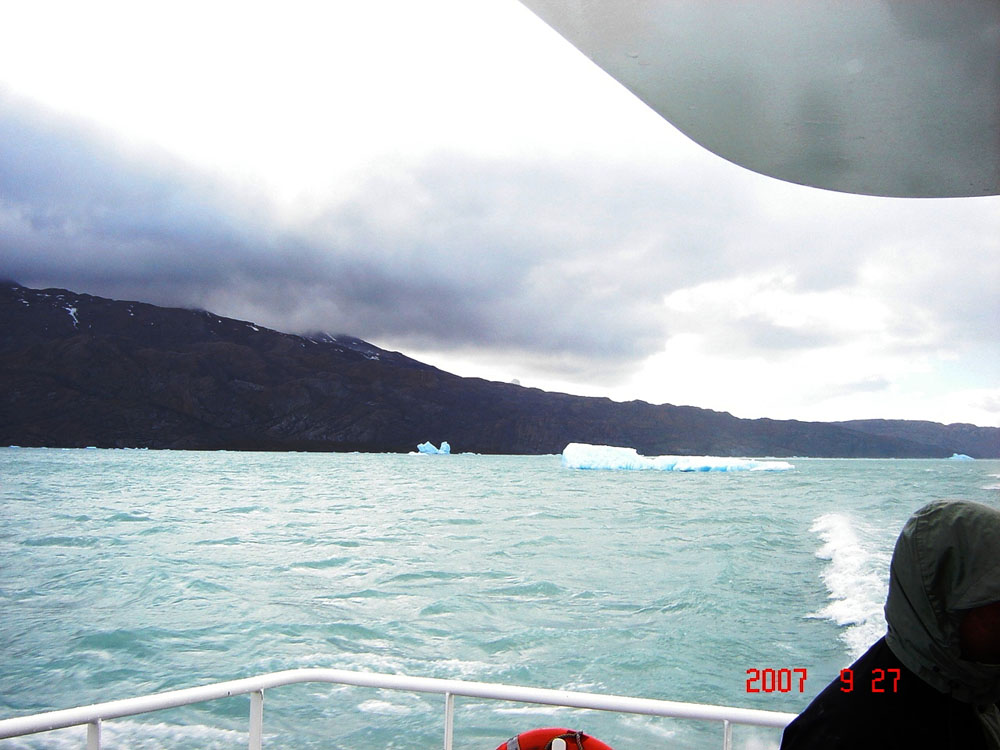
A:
(946, 560)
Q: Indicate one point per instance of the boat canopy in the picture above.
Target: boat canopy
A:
(892, 98)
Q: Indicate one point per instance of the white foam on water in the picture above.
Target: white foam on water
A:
(465, 669)
(652, 725)
(856, 579)
(134, 735)
(384, 708)
(368, 661)
(757, 743)
(530, 710)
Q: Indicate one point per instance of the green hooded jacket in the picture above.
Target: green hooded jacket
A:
(946, 561)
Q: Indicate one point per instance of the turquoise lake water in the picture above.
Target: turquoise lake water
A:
(130, 572)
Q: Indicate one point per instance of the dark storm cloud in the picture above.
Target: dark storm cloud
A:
(578, 256)
(451, 253)
(76, 208)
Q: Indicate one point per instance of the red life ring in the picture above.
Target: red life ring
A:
(541, 739)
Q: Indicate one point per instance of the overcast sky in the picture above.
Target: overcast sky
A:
(452, 180)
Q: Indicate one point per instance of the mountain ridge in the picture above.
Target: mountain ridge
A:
(80, 370)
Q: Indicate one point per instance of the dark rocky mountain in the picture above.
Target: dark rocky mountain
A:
(968, 439)
(78, 370)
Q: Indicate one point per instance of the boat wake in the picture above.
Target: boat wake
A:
(857, 581)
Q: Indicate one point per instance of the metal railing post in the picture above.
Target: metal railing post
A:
(94, 735)
(256, 719)
(727, 735)
(449, 720)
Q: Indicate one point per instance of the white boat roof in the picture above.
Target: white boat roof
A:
(893, 98)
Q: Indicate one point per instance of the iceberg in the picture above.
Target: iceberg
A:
(960, 457)
(585, 456)
(430, 450)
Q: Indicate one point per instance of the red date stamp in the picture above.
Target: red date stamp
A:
(775, 680)
(788, 680)
(879, 677)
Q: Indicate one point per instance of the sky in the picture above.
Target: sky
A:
(453, 180)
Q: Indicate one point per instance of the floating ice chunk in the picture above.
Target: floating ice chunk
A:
(960, 457)
(429, 449)
(584, 456)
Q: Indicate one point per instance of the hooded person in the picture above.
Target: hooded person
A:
(933, 681)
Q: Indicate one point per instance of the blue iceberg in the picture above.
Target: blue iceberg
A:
(430, 450)
(584, 456)
(960, 457)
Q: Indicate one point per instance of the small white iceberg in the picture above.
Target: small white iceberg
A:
(960, 457)
(585, 456)
(430, 450)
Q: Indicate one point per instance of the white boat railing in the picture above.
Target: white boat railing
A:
(93, 716)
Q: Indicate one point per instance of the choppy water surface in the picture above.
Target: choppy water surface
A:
(130, 572)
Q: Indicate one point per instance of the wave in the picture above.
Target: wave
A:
(332, 562)
(856, 581)
(63, 541)
(384, 708)
(135, 735)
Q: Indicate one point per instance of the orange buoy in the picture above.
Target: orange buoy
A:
(542, 739)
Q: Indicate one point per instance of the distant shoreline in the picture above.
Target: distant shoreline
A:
(82, 371)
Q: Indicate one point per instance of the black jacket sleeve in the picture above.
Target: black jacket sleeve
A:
(907, 714)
